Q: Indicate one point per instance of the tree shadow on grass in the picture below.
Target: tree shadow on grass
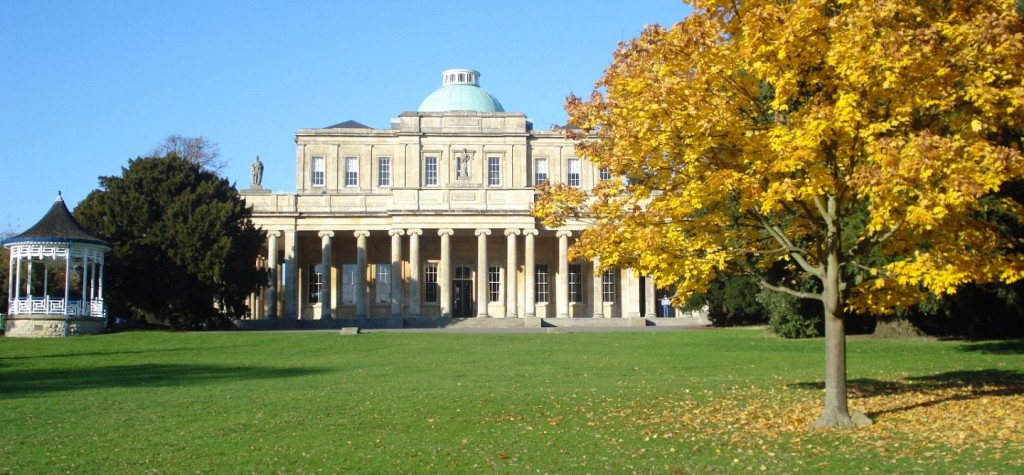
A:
(75, 354)
(1005, 347)
(38, 381)
(968, 385)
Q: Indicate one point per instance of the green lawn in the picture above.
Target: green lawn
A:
(647, 402)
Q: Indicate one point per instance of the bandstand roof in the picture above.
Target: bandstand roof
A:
(57, 226)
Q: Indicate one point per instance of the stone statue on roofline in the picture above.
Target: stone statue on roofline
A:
(257, 173)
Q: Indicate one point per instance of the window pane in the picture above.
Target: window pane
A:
(430, 171)
(348, 284)
(384, 171)
(540, 171)
(316, 281)
(351, 171)
(608, 286)
(494, 284)
(430, 290)
(543, 285)
(317, 174)
(575, 284)
(493, 171)
(605, 174)
(382, 289)
(574, 172)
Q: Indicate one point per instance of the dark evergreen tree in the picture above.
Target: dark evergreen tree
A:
(184, 247)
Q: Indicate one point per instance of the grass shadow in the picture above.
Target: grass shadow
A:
(971, 384)
(36, 381)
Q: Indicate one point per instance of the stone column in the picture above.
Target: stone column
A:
(598, 293)
(396, 271)
(481, 272)
(360, 290)
(291, 274)
(414, 271)
(530, 275)
(631, 301)
(325, 266)
(649, 303)
(511, 266)
(444, 271)
(272, 237)
(562, 283)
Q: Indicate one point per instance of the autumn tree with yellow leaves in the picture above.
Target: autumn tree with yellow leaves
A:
(861, 144)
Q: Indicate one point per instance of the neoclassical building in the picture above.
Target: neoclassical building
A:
(430, 219)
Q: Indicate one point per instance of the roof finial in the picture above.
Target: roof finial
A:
(59, 198)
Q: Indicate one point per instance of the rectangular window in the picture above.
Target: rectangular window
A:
(605, 175)
(348, 284)
(384, 172)
(316, 282)
(493, 171)
(608, 286)
(382, 285)
(575, 283)
(430, 288)
(573, 177)
(430, 171)
(540, 171)
(317, 173)
(543, 291)
(494, 284)
(351, 171)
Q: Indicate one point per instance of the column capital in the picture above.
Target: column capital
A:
(275, 234)
(414, 232)
(396, 232)
(327, 234)
(361, 233)
(530, 232)
(511, 232)
(563, 233)
(482, 232)
(445, 232)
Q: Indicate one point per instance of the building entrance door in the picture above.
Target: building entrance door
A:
(462, 292)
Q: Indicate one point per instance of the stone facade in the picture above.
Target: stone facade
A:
(431, 219)
(46, 326)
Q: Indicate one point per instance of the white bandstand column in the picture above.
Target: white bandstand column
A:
(529, 275)
(396, 271)
(598, 292)
(360, 290)
(272, 237)
(291, 274)
(562, 284)
(414, 271)
(103, 265)
(444, 271)
(85, 285)
(481, 272)
(28, 285)
(511, 266)
(325, 266)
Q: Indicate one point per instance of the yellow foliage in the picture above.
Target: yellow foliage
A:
(754, 132)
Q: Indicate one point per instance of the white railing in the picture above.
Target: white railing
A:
(52, 306)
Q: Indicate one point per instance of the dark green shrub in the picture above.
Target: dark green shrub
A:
(791, 317)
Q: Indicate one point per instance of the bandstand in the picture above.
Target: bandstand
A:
(55, 283)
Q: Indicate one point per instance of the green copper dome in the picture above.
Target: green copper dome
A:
(460, 91)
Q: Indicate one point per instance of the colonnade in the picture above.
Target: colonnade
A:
(407, 301)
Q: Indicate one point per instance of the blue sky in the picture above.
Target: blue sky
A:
(87, 85)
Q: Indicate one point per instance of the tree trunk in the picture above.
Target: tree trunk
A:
(836, 412)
